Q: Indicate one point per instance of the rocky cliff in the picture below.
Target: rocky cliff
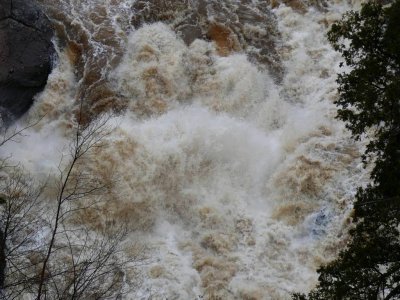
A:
(26, 53)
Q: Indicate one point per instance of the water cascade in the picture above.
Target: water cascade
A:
(226, 162)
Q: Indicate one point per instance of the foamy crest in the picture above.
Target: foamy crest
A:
(151, 74)
(159, 72)
(57, 102)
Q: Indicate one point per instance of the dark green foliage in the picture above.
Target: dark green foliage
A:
(369, 103)
(369, 94)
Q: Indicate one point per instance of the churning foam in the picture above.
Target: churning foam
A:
(238, 187)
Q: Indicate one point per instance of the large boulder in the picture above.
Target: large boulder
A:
(26, 53)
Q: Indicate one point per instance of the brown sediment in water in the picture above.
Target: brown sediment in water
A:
(297, 5)
(301, 184)
(293, 213)
(250, 294)
(156, 11)
(300, 6)
(248, 27)
(224, 38)
(115, 213)
(306, 177)
(93, 46)
(216, 272)
(113, 209)
(219, 243)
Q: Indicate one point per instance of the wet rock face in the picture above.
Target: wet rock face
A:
(5, 9)
(26, 53)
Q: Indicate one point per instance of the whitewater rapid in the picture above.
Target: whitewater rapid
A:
(229, 169)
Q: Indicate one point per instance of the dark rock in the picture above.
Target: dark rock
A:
(5, 9)
(26, 53)
(189, 33)
(2, 259)
(30, 14)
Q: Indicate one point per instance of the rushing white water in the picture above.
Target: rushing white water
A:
(239, 184)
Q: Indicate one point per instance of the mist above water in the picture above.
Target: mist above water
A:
(226, 162)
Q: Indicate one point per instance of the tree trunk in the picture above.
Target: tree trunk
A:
(2, 259)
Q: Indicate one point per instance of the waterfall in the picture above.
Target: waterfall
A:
(226, 162)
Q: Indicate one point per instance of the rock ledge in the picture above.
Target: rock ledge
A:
(26, 53)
